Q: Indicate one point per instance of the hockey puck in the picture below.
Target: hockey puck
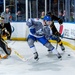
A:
(68, 54)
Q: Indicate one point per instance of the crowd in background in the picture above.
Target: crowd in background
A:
(18, 13)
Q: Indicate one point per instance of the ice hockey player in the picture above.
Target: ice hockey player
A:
(5, 51)
(48, 32)
(53, 28)
(36, 33)
(7, 18)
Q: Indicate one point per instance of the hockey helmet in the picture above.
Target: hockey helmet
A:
(47, 18)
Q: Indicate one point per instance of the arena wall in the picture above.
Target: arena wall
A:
(20, 30)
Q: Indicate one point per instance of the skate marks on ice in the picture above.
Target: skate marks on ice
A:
(67, 55)
(45, 64)
(49, 63)
(16, 68)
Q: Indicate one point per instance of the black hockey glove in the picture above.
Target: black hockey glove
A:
(60, 21)
(58, 34)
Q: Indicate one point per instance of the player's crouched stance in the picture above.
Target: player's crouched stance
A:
(47, 22)
(36, 33)
(5, 51)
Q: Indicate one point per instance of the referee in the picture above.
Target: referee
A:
(7, 19)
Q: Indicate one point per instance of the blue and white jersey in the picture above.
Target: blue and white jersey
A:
(35, 27)
(47, 31)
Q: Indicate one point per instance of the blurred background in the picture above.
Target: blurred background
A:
(21, 10)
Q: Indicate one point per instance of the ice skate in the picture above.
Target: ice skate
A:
(36, 56)
(62, 48)
(49, 51)
(59, 56)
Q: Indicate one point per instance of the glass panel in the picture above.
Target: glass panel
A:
(54, 6)
(49, 5)
(35, 8)
(72, 10)
(17, 9)
(61, 11)
(32, 9)
(41, 7)
(11, 5)
(21, 8)
(67, 10)
(1, 6)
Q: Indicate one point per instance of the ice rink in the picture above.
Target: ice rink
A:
(48, 64)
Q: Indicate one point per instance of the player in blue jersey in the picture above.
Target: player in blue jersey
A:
(37, 33)
(49, 33)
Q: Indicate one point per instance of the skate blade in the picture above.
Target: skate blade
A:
(37, 59)
(60, 58)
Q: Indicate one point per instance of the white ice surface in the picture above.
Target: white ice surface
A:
(48, 64)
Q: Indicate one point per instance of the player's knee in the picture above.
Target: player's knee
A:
(30, 42)
(49, 45)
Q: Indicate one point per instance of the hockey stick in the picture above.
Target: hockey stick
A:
(57, 44)
(21, 57)
(69, 38)
(60, 31)
(17, 54)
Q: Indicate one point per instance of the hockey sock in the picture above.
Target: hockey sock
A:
(33, 49)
